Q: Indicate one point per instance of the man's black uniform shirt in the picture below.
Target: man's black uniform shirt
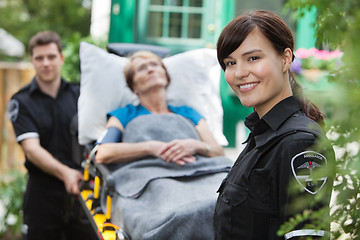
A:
(36, 114)
(254, 199)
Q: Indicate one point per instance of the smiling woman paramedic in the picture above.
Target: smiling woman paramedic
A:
(256, 51)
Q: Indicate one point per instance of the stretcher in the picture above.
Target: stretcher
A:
(96, 179)
(96, 176)
(99, 187)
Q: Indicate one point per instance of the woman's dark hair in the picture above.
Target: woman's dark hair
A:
(129, 71)
(278, 33)
(45, 38)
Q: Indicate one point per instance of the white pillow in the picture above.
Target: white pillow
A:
(194, 74)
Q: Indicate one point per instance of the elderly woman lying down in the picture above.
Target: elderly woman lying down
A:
(168, 164)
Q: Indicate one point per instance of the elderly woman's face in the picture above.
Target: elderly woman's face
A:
(148, 74)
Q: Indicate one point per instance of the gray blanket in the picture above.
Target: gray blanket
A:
(160, 200)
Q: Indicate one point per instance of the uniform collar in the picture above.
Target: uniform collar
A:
(35, 87)
(281, 111)
(272, 119)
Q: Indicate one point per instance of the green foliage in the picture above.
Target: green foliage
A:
(12, 188)
(69, 18)
(317, 221)
(338, 27)
(23, 18)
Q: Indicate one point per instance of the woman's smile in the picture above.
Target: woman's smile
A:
(247, 87)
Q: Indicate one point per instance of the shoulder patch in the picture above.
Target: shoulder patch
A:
(303, 166)
(13, 110)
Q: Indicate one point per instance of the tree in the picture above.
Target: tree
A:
(23, 18)
(69, 18)
(338, 27)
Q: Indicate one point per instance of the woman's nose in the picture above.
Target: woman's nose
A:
(241, 71)
(150, 67)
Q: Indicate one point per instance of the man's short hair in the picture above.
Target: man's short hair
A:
(45, 38)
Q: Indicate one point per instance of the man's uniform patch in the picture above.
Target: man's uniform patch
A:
(303, 165)
(13, 110)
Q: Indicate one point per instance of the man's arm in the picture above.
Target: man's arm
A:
(46, 162)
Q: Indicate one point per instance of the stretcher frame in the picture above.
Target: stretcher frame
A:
(97, 177)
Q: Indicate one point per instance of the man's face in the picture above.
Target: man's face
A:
(47, 61)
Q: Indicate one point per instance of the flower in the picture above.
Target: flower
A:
(296, 66)
(318, 59)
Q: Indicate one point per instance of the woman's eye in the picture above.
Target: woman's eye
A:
(141, 68)
(154, 64)
(229, 63)
(253, 58)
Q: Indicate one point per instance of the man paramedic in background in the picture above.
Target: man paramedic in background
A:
(41, 114)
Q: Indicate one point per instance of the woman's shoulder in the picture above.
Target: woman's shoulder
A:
(300, 124)
(125, 114)
(300, 133)
(187, 112)
(181, 107)
(297, 132)
(128, 108)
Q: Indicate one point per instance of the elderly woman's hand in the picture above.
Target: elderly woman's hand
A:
(180, 151)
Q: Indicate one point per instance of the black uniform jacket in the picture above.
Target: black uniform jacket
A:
(254, 199)
(35, 114)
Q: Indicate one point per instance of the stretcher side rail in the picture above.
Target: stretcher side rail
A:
(97, 178)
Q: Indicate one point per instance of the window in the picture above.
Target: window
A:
(175, 19)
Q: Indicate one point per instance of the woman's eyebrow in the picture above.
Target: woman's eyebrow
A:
(245, 53)
(251, 52)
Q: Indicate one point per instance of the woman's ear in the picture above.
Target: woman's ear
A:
(287, 59)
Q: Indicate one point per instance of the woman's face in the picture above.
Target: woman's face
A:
(258, 74)
(148, 74)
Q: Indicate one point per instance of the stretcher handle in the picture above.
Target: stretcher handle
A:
(110, 189)
(86, 173)
(110, 185)
(93, 153)
(86, 163)
(97, 187)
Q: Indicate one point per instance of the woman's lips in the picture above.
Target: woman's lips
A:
(247, 86)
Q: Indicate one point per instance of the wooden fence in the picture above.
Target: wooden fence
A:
(13, 76)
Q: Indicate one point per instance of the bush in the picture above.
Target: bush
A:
(338, 27)
(12, 188)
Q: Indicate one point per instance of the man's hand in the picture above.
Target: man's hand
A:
(46, 162)
(72, 179)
